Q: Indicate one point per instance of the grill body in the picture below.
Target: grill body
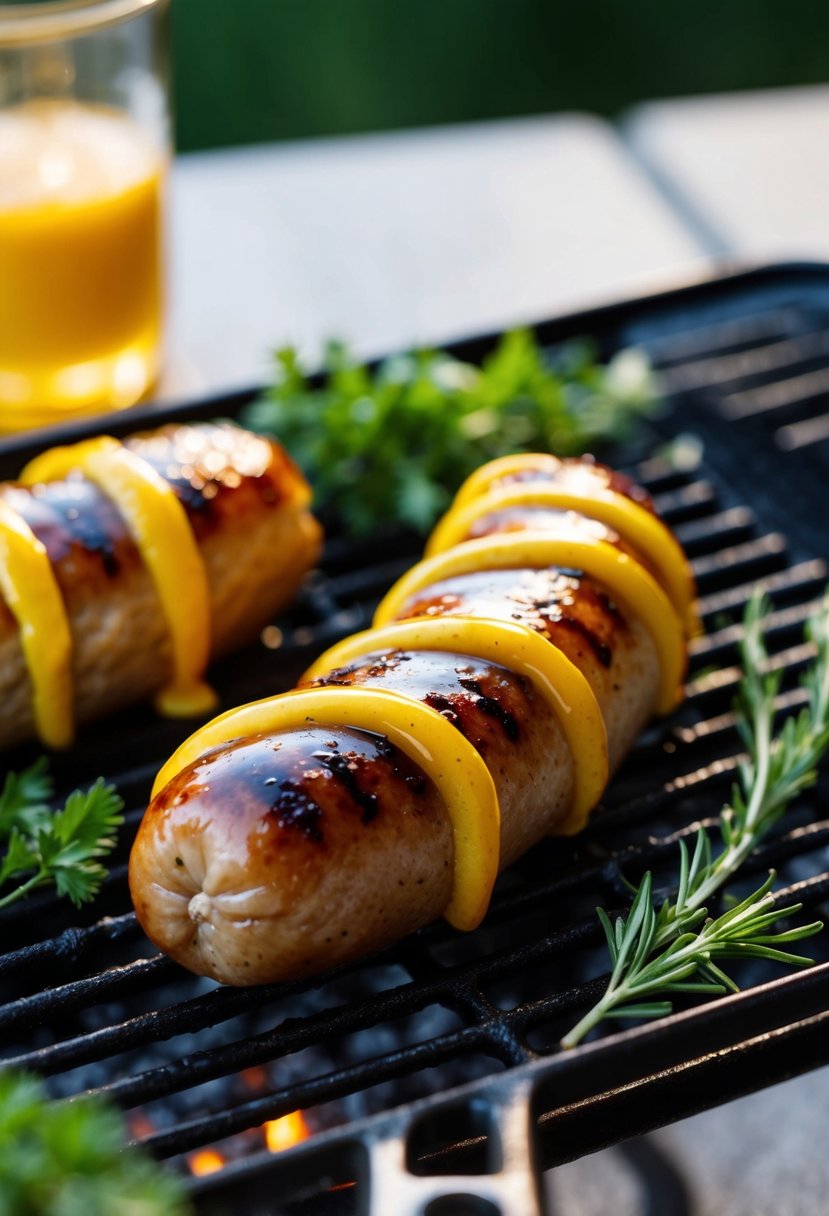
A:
(433, 1069)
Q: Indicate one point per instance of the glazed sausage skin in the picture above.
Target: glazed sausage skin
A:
(247, 505)
(277, 856)
(260, 845)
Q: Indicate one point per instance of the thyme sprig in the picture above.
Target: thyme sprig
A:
(678, 948)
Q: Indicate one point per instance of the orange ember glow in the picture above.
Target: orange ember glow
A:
(139, 1124)
(206, 1161)
(285, 1132)
(255, 1078)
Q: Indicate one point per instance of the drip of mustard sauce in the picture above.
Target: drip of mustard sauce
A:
(450, 761)
(520, 649)
(159, 526)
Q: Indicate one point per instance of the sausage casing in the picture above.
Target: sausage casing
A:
(247, 505)
(273, 856)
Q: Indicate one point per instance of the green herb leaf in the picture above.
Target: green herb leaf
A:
(71, 1159)
(24, 801)
(61, 847)
(655, 954)
(406, 435)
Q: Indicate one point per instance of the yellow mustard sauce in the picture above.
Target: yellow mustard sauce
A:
(632, 521)
(625, 578)
(31, 592)
(487, 475)
(452, 763)
(158, 524)
(448, 759)
(520, 649)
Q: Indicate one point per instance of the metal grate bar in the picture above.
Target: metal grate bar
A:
(69, 947)
(777, 395)
(805, 577)
(803, 434)
(747, 332)
(718, 643)
(753, 362)
(687, 502)
(714, 531)
(219, 1125)
(738, 561)
(103, 986)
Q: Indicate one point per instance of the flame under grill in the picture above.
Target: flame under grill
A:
(746, 362)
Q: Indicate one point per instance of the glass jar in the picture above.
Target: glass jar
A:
(84, 150)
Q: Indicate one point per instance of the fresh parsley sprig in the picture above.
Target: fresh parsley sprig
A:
(675, 949)
(39, 846)
(67, 1158)
(393, 445)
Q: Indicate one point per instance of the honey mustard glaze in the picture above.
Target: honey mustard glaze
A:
(159, 527)
(442, 752)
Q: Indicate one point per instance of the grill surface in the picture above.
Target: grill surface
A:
(746, 364)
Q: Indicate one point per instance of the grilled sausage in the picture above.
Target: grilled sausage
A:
(247, 506)
(277, 855)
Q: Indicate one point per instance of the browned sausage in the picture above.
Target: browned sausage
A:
(274, 856)
(248, 507)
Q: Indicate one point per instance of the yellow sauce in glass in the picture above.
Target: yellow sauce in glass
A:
(80, 262)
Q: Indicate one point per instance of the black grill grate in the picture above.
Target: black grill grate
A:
(92, 1009)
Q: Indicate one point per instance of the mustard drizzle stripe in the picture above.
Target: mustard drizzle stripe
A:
(640, 527)
(625, 578)
(457, 770)
(159, 526)
(33, 596)
(484, 477)
(521, 649)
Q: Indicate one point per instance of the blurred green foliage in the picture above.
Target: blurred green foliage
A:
(411, 430)
(250, 70)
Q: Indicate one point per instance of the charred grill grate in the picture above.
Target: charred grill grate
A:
(91, 1008)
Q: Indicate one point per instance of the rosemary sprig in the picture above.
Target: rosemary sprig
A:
(675, 949)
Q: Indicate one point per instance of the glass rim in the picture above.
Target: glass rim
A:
(49, 20)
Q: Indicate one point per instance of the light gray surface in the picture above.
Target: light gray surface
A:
(748, 171)
(760, 1156)
(389, 240)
